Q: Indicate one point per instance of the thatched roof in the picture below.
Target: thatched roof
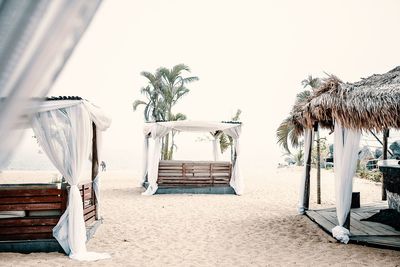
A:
(370, 104)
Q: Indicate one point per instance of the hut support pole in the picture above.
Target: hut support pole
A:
(347, 222)
(95, 165)
(307, 185)
(385, 156)
(316, 130)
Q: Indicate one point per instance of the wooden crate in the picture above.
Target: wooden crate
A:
(193, 173)
(39, 197)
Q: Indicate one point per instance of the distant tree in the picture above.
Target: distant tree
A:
(164, 89)
(226, 141)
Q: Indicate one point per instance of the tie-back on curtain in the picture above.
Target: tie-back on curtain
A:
(346, 147)
(65, 136)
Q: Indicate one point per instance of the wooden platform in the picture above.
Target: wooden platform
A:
(362, 232)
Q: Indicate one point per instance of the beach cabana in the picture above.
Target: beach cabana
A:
(58, 217)
(348, 109)
(216, 176)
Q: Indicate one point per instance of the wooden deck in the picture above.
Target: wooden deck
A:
(362, 232)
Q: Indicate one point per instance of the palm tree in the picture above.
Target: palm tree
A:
(154, 106)
(165, 87)
(312, 82)
(173, 88)
(285, 131)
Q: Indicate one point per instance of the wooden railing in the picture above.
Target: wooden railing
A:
(193, 173)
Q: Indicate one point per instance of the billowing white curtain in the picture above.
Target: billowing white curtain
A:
(346, 146)
(65, 136)
(236, 182)
(308, 140)
(216, 147)
(145, 159)
(36, 40)
(157, 133)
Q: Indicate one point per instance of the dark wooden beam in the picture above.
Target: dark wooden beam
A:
(95, 164)
(316, 130)
(385, 156)
(306, 203)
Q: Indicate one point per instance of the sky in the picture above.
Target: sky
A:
(250, 55)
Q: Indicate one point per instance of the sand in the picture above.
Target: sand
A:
(260, 228)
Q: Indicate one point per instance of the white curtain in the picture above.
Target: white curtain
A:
(236, 182)
(157, 133)
(216, 146)
(65, 136)
(36, 40)
(145, 159)
(346, 146)
(308, 140)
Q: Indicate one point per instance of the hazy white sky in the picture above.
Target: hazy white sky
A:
(250, 55)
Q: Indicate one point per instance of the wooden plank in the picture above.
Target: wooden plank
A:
(34, 199)
(16, 230)
(90, 220)
(320, 220)
(30, 236)
(331, 216)
(89, 215)
(33, 206)
(29, 221)
(89, 209)
(29, 192)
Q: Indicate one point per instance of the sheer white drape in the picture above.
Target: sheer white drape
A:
(236, 182)
(308, 140)
(346, 146)
(65, 136)
(157, 133)
(36, 40)
(145, 159)
(216, 147)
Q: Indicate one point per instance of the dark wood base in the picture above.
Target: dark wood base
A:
(217, 190)
(42, 245)
(361, 232)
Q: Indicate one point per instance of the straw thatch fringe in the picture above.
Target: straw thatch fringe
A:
(370, 104)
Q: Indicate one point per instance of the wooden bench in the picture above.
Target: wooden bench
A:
(43, 205)
(173, 173)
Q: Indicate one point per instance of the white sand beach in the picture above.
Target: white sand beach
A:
(260, 228)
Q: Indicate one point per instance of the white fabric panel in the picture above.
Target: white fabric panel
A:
(36, 40)
(97, 116)
(346, 146)
(65, 136)
(96, 188)
(157, 132)
(308, 140)
(145, 159)
(236, 182)
(216, 147)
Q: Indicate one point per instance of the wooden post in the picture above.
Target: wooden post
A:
(385, 156)
(307, 185)
(347, 222)
(95, 166)
(316, 130)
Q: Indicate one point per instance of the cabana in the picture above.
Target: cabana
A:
(216, 176)
(348, 109)
(58, 217)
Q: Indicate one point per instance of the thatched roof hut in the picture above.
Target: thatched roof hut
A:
(370, 104)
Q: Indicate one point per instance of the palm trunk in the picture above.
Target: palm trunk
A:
(166, 147)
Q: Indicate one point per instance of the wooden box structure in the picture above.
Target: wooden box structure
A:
(193, 173)
(29, 212)
(193, 177)
(43, 205)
